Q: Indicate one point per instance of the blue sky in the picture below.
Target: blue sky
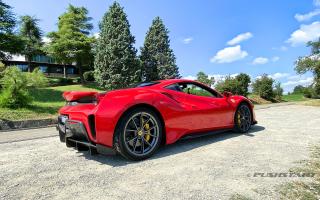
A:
(217, 37)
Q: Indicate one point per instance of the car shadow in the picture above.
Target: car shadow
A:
(180, 146)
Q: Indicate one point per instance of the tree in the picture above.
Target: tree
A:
(236, 85)
(204, 78)
(263, 87)
(9, 42)
(278, 91)
(243, 80)
(311, 63)
(116, 64)
(298, 89)
(228, 84)
(31, 35)
(157, 58)
(71, 43)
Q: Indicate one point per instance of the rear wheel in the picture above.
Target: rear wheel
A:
(243, 118)
(140, 133)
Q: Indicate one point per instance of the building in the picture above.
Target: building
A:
(46, 64)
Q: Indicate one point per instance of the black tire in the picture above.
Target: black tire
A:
(126, 133)
(242, 118)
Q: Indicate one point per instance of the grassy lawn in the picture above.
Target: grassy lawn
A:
(46, 103)
(294, 97)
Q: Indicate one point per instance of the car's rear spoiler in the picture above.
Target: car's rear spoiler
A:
(76, 95)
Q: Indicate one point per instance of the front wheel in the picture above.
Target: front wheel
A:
(140, 134)
(243, 119)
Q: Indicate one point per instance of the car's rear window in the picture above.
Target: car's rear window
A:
(145, 84)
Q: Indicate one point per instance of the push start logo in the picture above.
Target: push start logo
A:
(280, 174)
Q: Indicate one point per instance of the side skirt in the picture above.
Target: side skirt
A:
(202, 134)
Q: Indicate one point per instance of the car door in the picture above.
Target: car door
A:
(206, 109)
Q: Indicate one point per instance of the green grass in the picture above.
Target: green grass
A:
(46, 104)
(294, 97)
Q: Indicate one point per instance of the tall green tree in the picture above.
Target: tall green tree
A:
(263, 87)
(9, 42)
(243, 80)
(116, 65)
(204, 78)
(157, 58)
(72, 43)
(311, 63)
(31, 35)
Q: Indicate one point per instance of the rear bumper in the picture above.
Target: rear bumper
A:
(74, 134)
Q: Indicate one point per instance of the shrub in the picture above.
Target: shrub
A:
(88, 76)
(278, 91)
(237, 85)
(229, 84)
(17, 85)
(264, 87)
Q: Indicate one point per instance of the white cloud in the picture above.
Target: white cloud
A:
(316, 2)
(96, 35)
(187, 40)
(260, 61)
(279, 75)
(303, 82)
(46, 40)
(305, 34)
(307, 16)
(275, 58)
(239, 38)
(229, 54)
(282, 48)
(190, 77)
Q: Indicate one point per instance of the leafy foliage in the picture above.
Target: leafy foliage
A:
(31, 35)
(237, 85)
(243, 80)
(278, 91)
(71, 43)
(157, 58)
(9, 43)
(264, 87)
(116, 65)
(16, 86)
(204, 78)
(311, 63)
(88, 76)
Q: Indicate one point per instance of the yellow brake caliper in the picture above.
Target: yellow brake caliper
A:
(239, 118)
(147, 136)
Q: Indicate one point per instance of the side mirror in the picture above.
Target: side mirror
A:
(227, 94)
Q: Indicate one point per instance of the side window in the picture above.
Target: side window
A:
(174, 87)
(193, 89)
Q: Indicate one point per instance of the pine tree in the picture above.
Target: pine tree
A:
(9, 42)
(31, 34)
(157, 58)
(116, 65)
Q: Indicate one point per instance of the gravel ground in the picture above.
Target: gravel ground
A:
(212, 167)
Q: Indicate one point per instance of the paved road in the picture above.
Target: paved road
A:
(35, 165)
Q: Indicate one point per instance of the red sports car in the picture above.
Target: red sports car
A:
(136, 121)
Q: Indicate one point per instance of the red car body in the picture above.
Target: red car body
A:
(181, 113)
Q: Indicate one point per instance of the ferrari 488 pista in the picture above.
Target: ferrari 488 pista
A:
(136, 121)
